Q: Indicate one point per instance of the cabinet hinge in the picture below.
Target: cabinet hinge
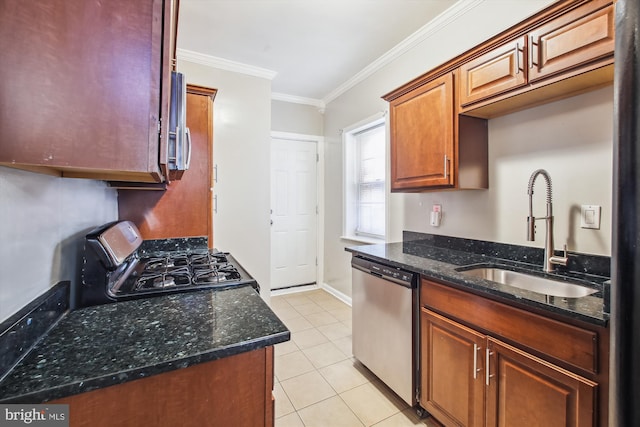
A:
(417, 394)
(159, 126)
(317, 157)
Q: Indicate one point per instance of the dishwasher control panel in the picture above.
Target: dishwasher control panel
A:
(394, 274)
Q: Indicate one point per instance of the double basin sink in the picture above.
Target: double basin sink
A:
(541, 285)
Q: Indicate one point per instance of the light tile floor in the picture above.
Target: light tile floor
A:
(318, 382)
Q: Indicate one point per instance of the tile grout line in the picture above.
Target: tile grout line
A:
(316, 369)
(285, 304)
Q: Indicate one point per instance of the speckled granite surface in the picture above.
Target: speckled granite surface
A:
(429, 258)
(22, 331)
(110, 344)
(170, 245)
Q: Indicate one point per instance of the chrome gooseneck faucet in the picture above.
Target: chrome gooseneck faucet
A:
(550, 260)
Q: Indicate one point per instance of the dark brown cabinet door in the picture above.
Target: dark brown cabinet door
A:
(452, 368)
(80, 87)
(232, 391)
(422, 137)
(500, 70)
(184, 209)
(573, 39)
(527, 391)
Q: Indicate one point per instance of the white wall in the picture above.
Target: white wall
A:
(519, 143)
(241, 149)
(43, 220)
(295, 118)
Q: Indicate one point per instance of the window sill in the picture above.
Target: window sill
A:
(361, 239)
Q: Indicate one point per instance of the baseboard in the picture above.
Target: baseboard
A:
(294, 289)
(336, 293)
(303, 288)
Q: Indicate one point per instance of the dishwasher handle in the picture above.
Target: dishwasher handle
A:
(391, 274)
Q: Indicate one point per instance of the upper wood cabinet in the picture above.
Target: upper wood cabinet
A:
(500, 70)
(185, 208)
(423, 136)
(549, 58)
(83, 87)
(575, 38)
(438, 120)
(431, 147)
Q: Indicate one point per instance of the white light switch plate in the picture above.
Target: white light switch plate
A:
(590, 216)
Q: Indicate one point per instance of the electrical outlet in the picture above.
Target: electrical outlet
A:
(435, 216)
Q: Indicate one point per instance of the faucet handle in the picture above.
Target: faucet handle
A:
(531, 228)
(560, 260)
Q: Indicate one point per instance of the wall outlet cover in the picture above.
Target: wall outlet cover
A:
(434, 219)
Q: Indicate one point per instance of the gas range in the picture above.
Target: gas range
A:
(114, 270)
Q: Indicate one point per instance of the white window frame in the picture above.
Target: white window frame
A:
(348, 178)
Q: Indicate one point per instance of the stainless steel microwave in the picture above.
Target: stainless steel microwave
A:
(179, 136)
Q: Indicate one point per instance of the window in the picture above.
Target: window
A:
(364, 180)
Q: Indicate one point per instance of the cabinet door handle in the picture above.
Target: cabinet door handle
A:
(530, 51)
(489, 353)
(215, 173)
(215, 203)
(446, 167)
(517, 58)
(188, 163)
(476, 349)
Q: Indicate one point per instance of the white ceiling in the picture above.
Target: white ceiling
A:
(311, 46)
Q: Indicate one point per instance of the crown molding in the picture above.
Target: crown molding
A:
(432, 27)
(225, 64)
(318, 103)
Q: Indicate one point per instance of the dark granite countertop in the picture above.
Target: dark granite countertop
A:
(96, 347)
(431, 258)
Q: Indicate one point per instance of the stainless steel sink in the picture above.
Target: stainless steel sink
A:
(531, 283)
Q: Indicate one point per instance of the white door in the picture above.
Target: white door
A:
(293, 213)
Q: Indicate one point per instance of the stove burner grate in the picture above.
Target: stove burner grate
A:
(157, 263)
(164, 279)
(222, 274)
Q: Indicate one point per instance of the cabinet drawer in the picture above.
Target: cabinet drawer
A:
(570, 344)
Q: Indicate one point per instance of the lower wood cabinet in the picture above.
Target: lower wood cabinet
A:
(452, 388)
(470, 379)
(525, 390)
(488, 363)
(232, 391)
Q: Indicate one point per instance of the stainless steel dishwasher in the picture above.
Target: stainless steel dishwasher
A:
(384, 307)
